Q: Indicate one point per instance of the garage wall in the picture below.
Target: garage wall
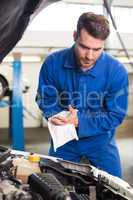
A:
(126, 128)
(32, 118)
(31, 70)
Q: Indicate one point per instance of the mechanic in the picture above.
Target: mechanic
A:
(93, 86)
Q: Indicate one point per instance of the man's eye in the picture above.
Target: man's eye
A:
(82, 46)
(87, 48)
(97, 49)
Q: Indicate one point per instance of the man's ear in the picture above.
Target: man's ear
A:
(75, 35)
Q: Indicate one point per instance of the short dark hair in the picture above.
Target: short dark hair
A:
(96, 25)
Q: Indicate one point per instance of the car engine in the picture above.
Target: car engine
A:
(56, 179)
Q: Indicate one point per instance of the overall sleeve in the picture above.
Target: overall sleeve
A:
(115, 100)
(47, 93)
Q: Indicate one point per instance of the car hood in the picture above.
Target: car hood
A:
(14, 18)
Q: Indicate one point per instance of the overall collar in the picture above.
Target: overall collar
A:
(70, 63)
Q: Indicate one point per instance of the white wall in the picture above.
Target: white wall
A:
(47, 39)
(31, 72)
(65, 39)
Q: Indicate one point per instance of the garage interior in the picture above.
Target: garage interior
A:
(42, 37)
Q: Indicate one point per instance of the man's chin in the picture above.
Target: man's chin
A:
(86, 66)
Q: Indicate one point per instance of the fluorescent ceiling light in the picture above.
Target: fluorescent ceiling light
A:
(118, 3)
(23, 59)
(125, 59)
(84, 1)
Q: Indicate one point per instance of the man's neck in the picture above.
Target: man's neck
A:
(86, 68)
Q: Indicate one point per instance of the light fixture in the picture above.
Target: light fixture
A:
(125, 59)
(96, 2)
(28, 58)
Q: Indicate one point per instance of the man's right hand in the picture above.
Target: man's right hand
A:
(71, 119)
(58, 121)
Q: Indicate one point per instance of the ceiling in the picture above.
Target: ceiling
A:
(15, 16)
(122, 3)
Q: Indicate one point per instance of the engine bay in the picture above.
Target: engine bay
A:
(31, 176)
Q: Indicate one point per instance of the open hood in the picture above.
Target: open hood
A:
(14, 18)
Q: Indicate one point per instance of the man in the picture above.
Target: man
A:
(92, 85)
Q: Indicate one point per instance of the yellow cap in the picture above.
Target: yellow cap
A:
(34, 158)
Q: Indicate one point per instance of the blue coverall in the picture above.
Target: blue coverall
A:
(100, 95)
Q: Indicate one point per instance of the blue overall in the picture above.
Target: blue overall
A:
(100, 95)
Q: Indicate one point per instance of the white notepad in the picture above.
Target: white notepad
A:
(63, 133)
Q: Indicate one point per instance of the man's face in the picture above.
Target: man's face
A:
(87, 49)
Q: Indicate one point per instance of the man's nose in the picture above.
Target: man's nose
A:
(89, 54)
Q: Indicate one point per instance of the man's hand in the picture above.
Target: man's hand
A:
(71, 119)
(58, 120)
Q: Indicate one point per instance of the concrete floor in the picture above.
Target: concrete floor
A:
(37, 140)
